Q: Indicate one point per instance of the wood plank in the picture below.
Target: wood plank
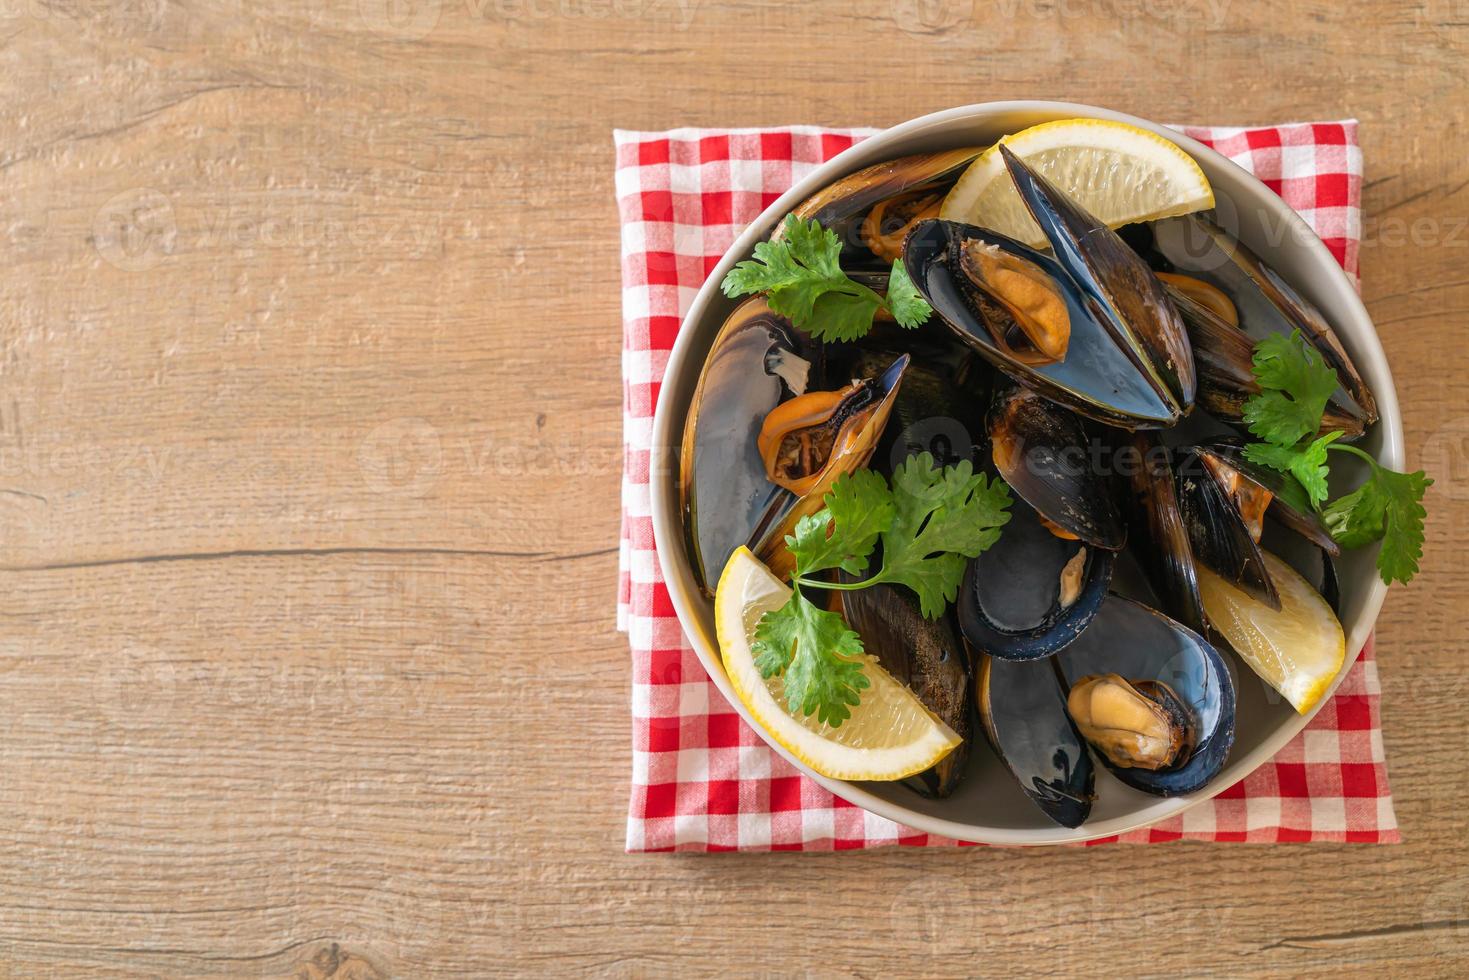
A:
(309, 448)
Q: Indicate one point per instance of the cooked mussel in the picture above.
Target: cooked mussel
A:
(1154, 698)
(1159, 536)
(801, 438)
(1223, 514)
(1041, 450)
(873, 209)
(1095, 377)
(1019, 301)
(1223, 355)
(940, 406)
(1090, 328)
(1264, 301)
(1125, 295)
(1033, 591)
(758, 359)
(1022, 708)
(1279, 495)
(806, 443)
(927, 656)
(1224, 498)
(1141, 726)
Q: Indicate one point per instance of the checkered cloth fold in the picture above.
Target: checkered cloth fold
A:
(703, 780)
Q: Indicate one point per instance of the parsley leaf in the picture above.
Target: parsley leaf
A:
(1306, 462)
(941, 518)
(802, 278)
(819, 655)
(858, 509)
(904, 301)
(1387, 507)
(1295, 383)
(930, 520)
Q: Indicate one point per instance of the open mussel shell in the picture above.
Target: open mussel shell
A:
(1288, 503)
(903, 190)
(1041, 450)
(1095, 378)
(1126, 298)
(1265, 302)
(1159, 536)
(1032, 591)
(1164, 660)
(864, 414)
(940, 406)
(926, 655)
(1222, 515)
(758, 360)
(1223, 357)
(1022, 709)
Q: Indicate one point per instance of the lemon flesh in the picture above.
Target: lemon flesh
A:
(890, 735)
(1120, 173)
(1297, 650)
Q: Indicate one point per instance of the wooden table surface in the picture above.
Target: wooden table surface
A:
(309, 412)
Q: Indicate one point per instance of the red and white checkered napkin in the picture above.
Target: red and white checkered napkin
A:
(702, 780)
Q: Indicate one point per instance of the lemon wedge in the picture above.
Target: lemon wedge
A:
(1120, 173)
(890, 734)
(1297, 650)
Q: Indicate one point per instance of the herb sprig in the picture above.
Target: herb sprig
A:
(930, 520)
(1295, 385)
(802, 278)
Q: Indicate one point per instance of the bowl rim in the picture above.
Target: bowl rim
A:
(667, 521)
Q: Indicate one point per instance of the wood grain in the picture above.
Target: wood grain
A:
(309, 411)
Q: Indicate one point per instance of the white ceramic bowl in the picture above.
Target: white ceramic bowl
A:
(988, 806)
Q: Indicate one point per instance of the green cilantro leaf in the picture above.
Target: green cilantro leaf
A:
(802, 278)
(1295, 384)
(904, 301)
(1387, 507)
(1305, 461)
(930, 520)
(858, 509)
(1358, 518)
(941, 517)
(837, 316)
(819, 656)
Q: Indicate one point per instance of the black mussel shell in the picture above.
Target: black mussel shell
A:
(1127, 298)
(1223, 356)
(1096, 378)
(926, 655)
(1266, 303)
(1010, 604)
(1159, 535)
(938, 410)
(1289, 504)
(1042, 451)
(865, 423)
(841, 206)
(1218, 533)
(757, 361)
(1023, 711)
(1142, 644)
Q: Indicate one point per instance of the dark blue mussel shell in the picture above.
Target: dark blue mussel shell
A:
(1095, 378)
(1126, 297)
(1023, 711)
(1009, 604)
(1142, 644)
